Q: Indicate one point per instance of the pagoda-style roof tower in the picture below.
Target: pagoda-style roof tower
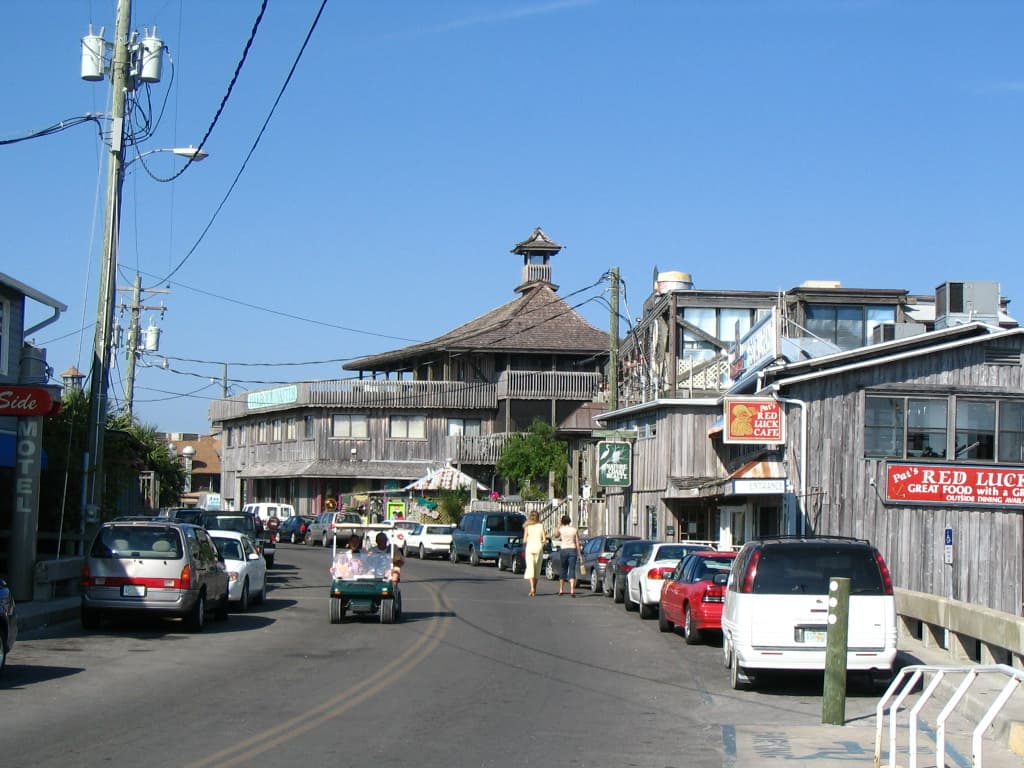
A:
(536, 251)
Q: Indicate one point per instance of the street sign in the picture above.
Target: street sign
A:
(24, 401)
(614, 463)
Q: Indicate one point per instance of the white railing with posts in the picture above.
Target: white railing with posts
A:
(548, 385)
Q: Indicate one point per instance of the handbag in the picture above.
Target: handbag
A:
(583, 568)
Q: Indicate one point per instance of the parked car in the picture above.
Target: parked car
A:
(619, 565)
(399, 532)
(156, 567)
(323, 530)
(777, 601)
(428, 539)
(191, 515)
(294, 529)
(693, 595)
(264, 510)
(8, 622)
(480, 535)
(247, 571)
(512, 556)
(597, 551)
(247, 523)
(644, 580)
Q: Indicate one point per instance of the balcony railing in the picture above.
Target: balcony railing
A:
(476, 449)
(549, 385)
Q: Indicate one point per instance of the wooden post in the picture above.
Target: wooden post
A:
(833, 699)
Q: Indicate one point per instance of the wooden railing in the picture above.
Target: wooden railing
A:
(549, 385)
(476, 449)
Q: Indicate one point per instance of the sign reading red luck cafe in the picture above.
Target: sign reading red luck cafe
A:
(954, 484)
(753, 420)
(24, 401)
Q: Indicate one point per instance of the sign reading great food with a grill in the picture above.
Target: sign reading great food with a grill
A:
(753, 420)
(954, 484)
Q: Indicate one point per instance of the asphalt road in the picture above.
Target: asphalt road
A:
(476, 674)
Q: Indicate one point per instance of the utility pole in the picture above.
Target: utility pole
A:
(133, 348)
(613, 357)
(120, 83)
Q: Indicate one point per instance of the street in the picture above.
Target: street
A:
(476, 674)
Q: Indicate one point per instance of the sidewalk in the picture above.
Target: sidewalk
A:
(823, 746)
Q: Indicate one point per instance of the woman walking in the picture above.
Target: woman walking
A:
(534, 538)
(569, 555)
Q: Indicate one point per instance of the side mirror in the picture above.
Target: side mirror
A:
(253, 556)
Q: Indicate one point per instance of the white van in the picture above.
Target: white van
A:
(265, 510)
(776, 607)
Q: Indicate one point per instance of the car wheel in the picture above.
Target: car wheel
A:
(690, 631)
(323, 542)
(618, 593)
(726, 652)
(197, 616)
(498, 565)
(261, 595)
(90, 618)
(387, 612)
(453, 556)
(474, 557)
(595, 582)
(738, 677)
(222, 607)
(664, 624)
(606, 586)
(647, 610)
(243, 601)
(293, 538)
(515, 566)
(337, 610)
(423, 555)
(628, 601)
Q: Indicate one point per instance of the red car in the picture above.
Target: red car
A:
(693, 595)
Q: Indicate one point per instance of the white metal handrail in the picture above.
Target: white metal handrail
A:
(903, 684)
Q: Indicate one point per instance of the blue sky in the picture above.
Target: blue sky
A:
(755, 145)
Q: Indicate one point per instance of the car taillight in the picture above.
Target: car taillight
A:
(751, 573)
(185, 580)
(602, 560)
(86, 575)
(886, 576)
(657, 574)
(302, 528)
(713, 594)
(627, 568)
(480, 541)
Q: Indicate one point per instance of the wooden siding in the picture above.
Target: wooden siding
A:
(989, 543)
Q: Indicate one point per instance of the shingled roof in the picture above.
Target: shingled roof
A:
(538, 321)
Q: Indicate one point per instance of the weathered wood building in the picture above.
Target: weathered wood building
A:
(456, 398)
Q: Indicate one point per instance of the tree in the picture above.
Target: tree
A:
(451, 505)
(531, 458)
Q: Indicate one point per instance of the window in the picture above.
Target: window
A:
(229, 437)
(408, 427)
(261, 432)
(468, 427)
(348, 425)
(276, 430)
(846, 326)
(291, 429)
(883, 426)
(309, 426)
(1011, 432)
(726, 324)
(975, 430)
(926, 428)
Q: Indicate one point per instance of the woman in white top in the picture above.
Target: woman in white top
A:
(534, 538)
(569, 555)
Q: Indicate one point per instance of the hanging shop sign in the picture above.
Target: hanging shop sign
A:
(975, 485)
(753, 420)
(614, 463)
(24, 401)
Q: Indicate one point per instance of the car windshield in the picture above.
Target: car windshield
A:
(230, 549)
(672, 552)
(709, 566)
(239, 523)
(438, 530)
(149, 542)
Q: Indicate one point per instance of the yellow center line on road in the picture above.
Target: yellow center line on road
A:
(390, 674)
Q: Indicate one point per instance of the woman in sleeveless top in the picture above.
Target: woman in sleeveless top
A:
(569, 555)
(534, 538)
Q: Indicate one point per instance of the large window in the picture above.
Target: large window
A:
(726, 325)
(468, 427)
(277, 430)
(290, 429)
(906, 427)
(348, 425)
(261, 432)
(310, 426)
(408, 427)
(846, 326)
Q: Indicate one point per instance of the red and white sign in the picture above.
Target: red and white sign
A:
(24, 401)
(753, 420)
(954, 484)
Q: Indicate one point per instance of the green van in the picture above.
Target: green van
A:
(480, 535)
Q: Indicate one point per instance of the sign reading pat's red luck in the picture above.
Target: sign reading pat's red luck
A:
(753, 420)
(24, 401)
(954, 484)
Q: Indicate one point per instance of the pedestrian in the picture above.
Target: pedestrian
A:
(534, 538)
(569, 555)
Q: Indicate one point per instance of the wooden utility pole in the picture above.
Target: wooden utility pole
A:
(613, 357)
(833, 698)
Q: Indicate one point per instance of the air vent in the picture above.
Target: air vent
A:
(1002, 356)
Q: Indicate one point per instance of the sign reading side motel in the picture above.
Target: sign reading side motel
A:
(954, 484)
(24, 401)
(753, 420)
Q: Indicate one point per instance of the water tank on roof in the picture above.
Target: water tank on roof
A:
(673, 281)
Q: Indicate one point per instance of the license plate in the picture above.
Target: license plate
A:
(815, 637)
(133, 590)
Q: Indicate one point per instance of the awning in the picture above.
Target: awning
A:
(8, 450)
(448, 478)
(755, 478)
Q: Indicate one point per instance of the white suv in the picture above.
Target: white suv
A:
(776, 607)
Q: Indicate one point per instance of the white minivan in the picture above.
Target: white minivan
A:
(775, 615)
(265, 510)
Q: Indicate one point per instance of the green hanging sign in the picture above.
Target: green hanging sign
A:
(614, 463)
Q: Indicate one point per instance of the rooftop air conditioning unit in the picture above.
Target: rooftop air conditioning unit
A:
(967, 302)
(892, 331)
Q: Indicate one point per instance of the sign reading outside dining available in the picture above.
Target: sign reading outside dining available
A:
(753, 420)
(954, 484)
